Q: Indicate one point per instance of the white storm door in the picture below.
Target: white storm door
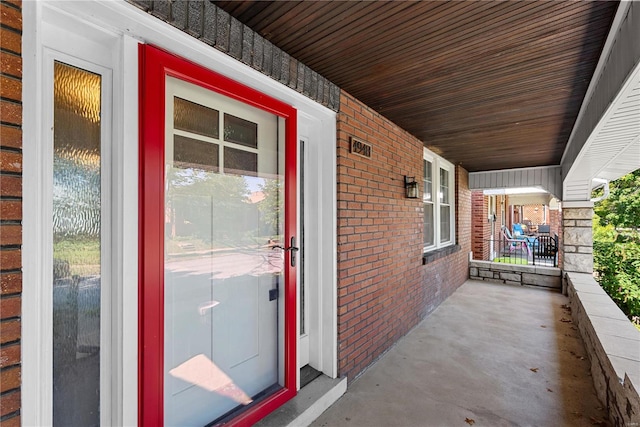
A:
(223, 265)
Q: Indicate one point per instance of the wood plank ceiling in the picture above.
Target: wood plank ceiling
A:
(489, 85)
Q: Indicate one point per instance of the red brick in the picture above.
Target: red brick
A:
(10, 210)
(10, 259)
(10, 137)
(10, 403)
(10, 186)
(10, 64)
(10, 379)
(10, 235)
(9, 331)
(10, 40)
(10, 283)
(10, 307)
(10, 17)
(9, 355)
(10, 88)
(10, 112)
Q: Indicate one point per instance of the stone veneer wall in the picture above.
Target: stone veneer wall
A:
(515, 274)
(613, 346)
(577, 239)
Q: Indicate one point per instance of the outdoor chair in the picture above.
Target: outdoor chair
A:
(519, 234)
(520, 243)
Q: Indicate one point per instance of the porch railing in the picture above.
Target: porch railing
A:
(529, 250)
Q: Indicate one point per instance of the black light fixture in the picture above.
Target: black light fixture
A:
(410, 187)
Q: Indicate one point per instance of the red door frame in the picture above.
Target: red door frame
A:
(155, 66)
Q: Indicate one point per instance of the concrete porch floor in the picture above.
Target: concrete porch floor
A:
(490, 355)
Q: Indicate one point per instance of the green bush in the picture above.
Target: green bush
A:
(616, 258)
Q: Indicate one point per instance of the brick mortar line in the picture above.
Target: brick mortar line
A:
(19, 294)
(11, 173)
(11, 75)
(11, 149)
(8, 417)
(11, 101)
(13, 390)
(12, 29)
(6, 51)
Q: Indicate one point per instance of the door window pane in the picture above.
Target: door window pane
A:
(240, 162)
(195, 118)
(240, 131)
(76, 247)
(192, 153)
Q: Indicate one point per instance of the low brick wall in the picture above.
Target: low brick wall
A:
(613, 345)
(515, 274)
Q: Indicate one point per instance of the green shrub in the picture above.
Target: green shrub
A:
(617, 265)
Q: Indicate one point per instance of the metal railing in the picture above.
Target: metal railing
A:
(528, 250)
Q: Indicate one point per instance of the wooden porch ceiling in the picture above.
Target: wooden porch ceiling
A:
(489, 85)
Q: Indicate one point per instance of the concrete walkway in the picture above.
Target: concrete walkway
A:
(490, 355)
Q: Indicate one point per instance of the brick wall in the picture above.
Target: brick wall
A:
(535, 214)
(480, 225)
(383, 288)
(10, 209)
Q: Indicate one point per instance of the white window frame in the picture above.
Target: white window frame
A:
(438, 163)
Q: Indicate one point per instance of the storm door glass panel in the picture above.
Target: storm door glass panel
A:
(223, 269)
(76, 247)
(427, 199)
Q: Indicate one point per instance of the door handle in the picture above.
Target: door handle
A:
(293, 249)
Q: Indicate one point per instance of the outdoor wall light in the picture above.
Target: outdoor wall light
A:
(410, 187)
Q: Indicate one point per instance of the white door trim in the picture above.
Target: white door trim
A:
(122, 25)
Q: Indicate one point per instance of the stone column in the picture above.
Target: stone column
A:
(577, 244)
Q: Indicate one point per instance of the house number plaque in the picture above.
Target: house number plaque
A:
(360, 148)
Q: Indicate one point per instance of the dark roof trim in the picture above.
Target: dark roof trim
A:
(215, 27)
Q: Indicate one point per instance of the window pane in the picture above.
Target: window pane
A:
(445, 224)
(428, 234)
(196, 118)
(76, 247)
(240, 162)
(240, 131)
(190, 153)
(427, 181)
(444, 186)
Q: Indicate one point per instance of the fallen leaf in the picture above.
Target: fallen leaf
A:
(534, 369)
(566, 307)
(469, 421)
(565, 320)
(543, 326)
(549, 390)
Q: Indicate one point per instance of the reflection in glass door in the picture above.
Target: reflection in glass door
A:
(223, 262)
